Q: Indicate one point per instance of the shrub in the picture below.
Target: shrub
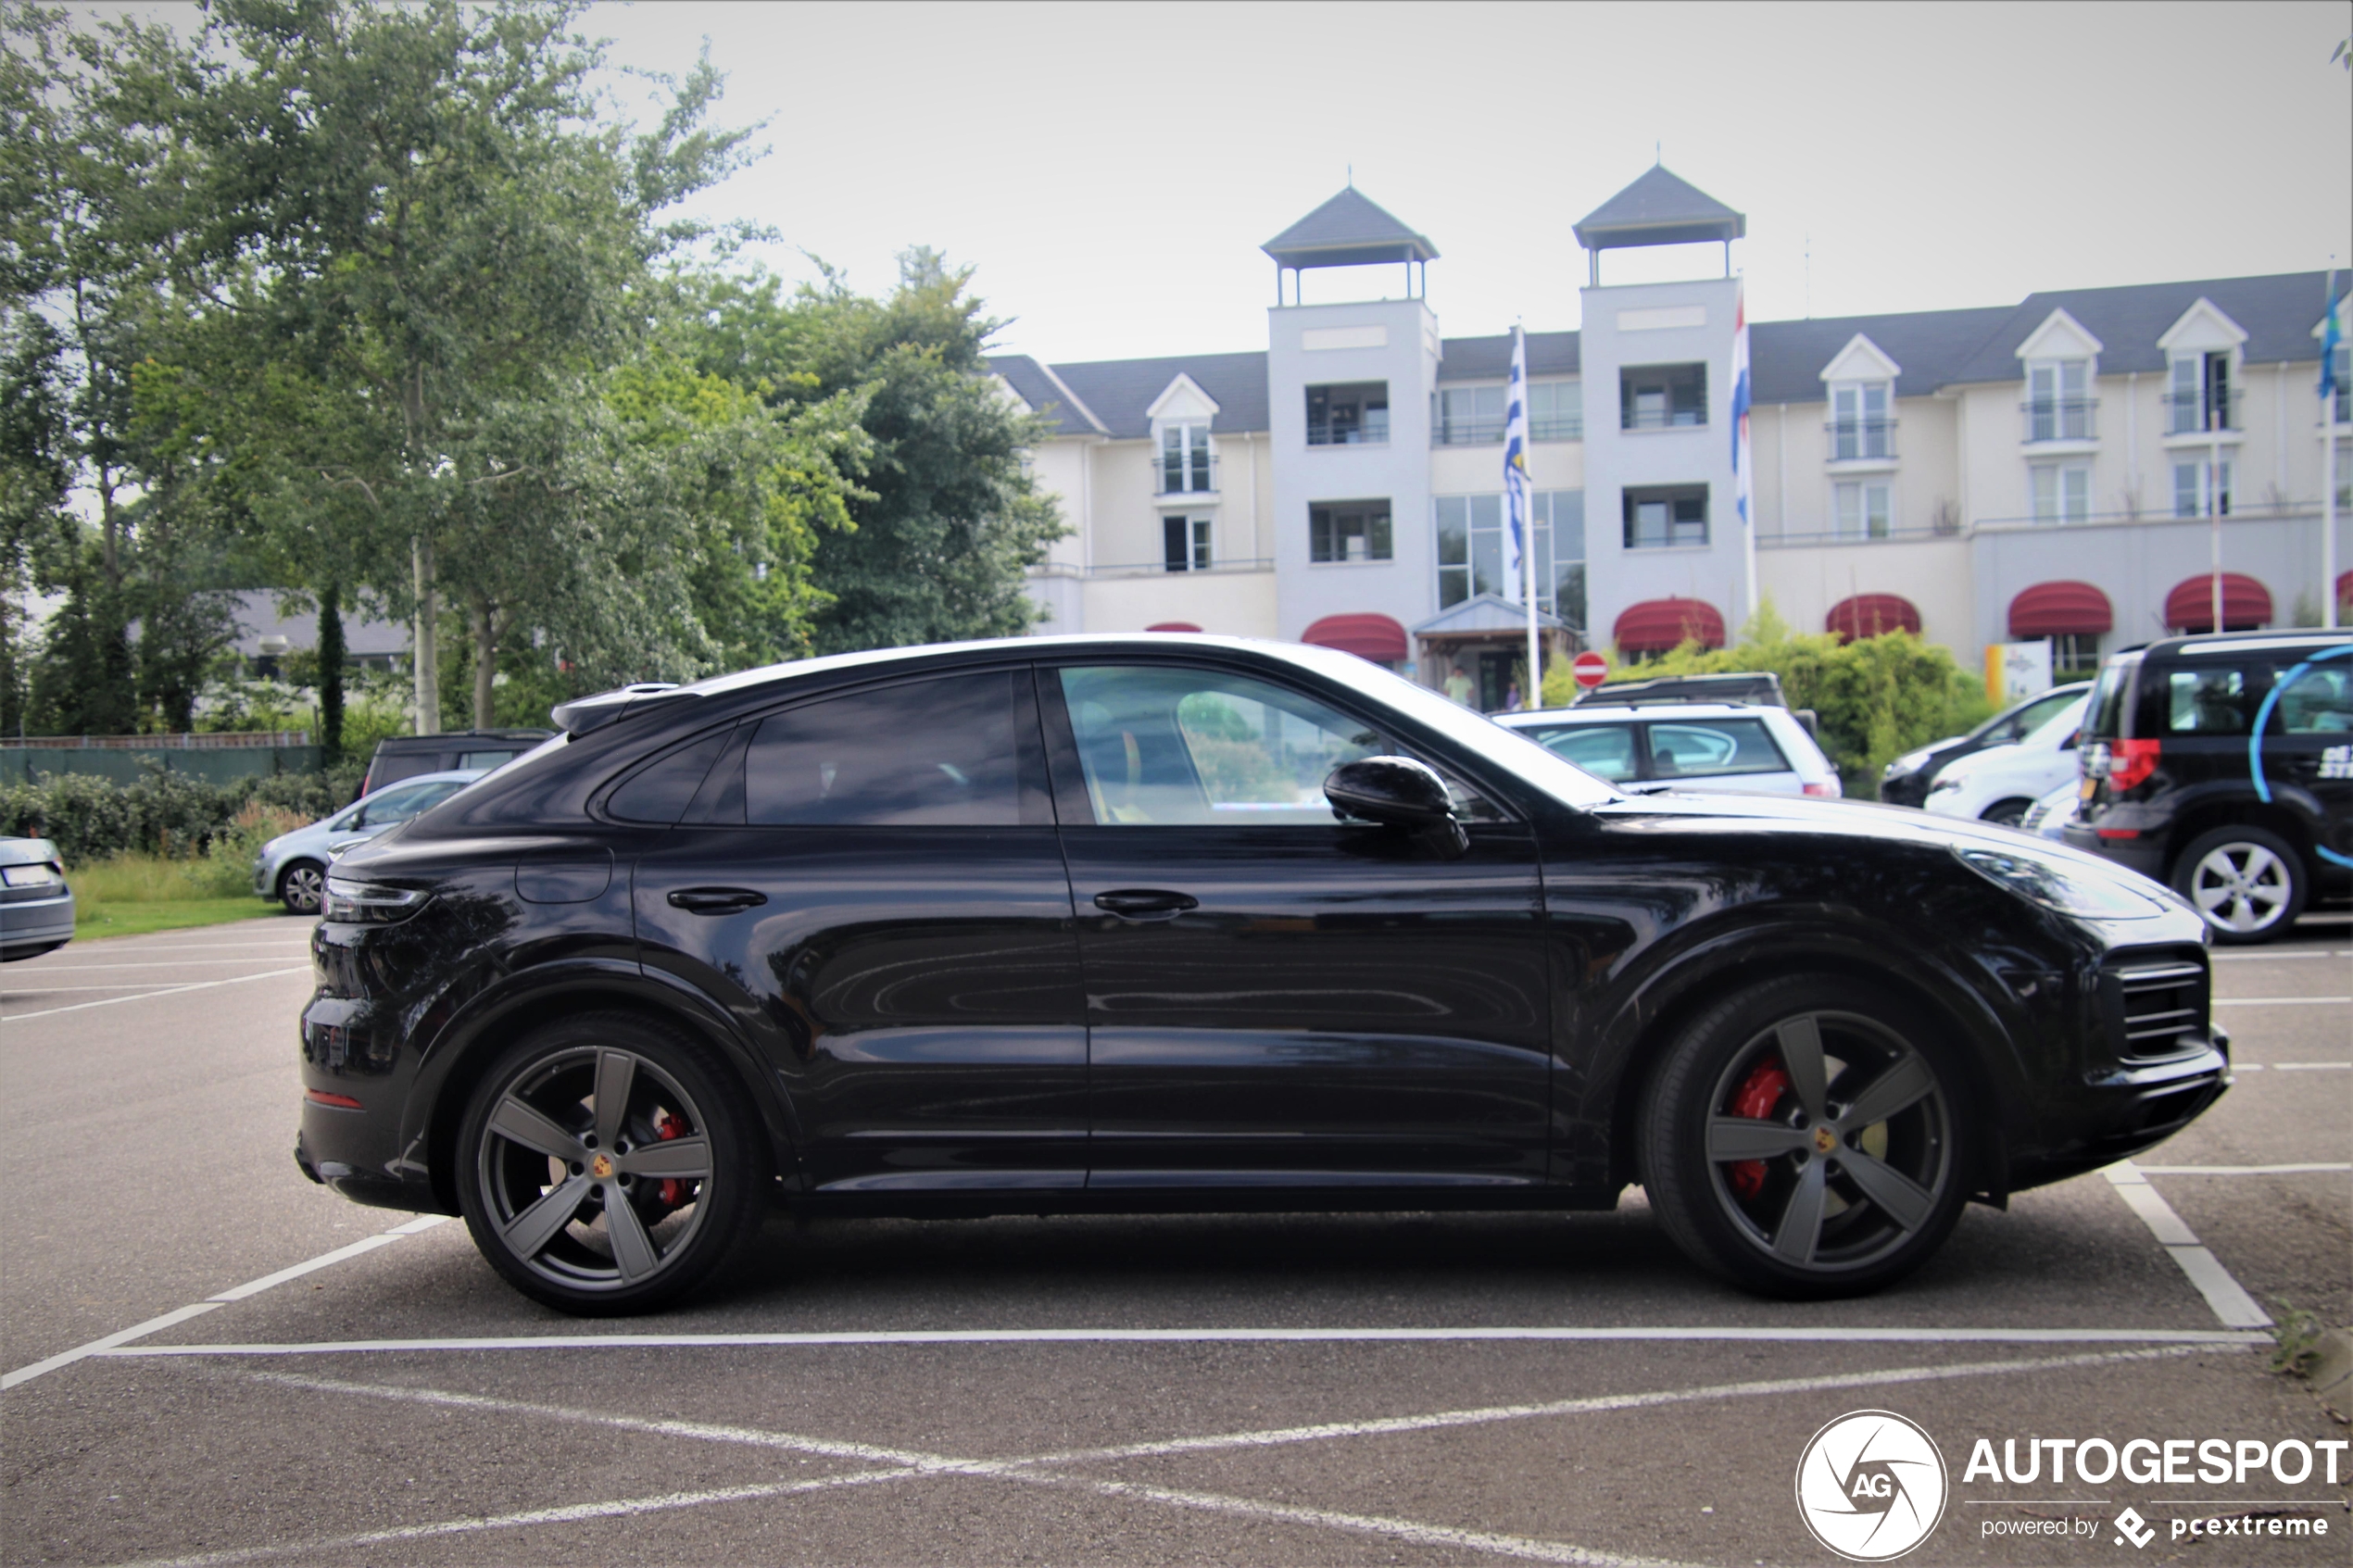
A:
(173, 816)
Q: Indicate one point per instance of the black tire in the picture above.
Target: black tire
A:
(301, 886)
(1818, 1203)
(535, 1135)
(2249, 882)
(2006, 813)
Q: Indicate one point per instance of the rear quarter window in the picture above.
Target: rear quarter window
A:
(2103, 715)
(1707, 747)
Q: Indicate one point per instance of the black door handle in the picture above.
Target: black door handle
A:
(716, 900)
(1145, 903)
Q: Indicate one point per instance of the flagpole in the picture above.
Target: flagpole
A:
(2328, 466)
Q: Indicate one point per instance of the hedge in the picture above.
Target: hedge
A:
(163, 813)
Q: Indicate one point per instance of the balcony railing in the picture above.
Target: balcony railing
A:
(1558, 427)
(2196, 413)
(1852, 441)
(1467, 433)
(2061, 419)
(1373, 432)
(1661, 419)
(1174, 476)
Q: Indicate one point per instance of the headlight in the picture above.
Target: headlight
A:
(1909, 763)
(2057, 886)
(1945, 782)
(353, 902)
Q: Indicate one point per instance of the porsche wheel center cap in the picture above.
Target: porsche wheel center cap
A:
(1825, 1141)
(601, 1167)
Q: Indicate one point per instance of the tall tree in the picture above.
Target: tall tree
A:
(950, 517)
(435, 241)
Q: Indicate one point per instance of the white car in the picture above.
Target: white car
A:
(1717, 747)
(2048, 817)
(1998, 784)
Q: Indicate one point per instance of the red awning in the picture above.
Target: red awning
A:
(2343, 591)
(1173, 627)
(2061, 609)
(1376, 637)
(1657, 625)
(1867, 615)
(2247, 604)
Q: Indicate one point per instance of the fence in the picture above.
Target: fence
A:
(216, 759)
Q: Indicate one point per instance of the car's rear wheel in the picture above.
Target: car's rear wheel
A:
(2248, 881)
(300, 887)
(605, 1167)
(1807, 1137)
(2005, 813)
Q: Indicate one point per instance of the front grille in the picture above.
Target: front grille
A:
(2157, 1010)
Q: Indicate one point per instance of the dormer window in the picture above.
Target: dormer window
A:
(2059, 400)
(2199, 394)
(1186, 465)
(1860, 426)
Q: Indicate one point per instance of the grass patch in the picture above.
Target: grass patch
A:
(126, 894)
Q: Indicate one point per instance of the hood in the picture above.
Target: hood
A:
(1850, 818)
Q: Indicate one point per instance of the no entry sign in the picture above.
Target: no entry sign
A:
(1591, 668)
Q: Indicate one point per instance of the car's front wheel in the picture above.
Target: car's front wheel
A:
(2006, 813)
(605, 1165)
(300, 887)
(2249, 882)
(1808, 1137)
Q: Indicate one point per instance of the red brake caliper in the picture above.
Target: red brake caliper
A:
(1756, 1099)
(673, 1190)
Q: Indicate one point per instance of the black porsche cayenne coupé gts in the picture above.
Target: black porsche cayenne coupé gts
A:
(1179, 923)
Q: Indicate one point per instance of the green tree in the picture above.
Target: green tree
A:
(949, 518)
(435, 241)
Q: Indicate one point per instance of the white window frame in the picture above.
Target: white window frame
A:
(1863, 509)
(1195, 457)
(1569, 409)
(1852, 411)
(2068, 496)
(1469, 425)
(2202, 492)
(2047, 384)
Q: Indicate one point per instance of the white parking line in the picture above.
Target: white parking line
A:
(1036, 1470)
(170, 964)
(2231, 1304)
(2276, 957)
(235, 1292)
(1792, 1336)
(2281, 1001)
(7, 991)
(149, 996)
(2243, 1170)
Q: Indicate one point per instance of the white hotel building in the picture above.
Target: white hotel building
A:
(2057, 469)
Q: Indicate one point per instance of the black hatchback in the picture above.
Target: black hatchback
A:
(2223, 765)
(1186, 924)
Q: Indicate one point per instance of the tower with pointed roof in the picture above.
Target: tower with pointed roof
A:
(1664, 541)
(1348, 384)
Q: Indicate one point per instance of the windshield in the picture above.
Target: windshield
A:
(2052, 734)
(1514, 753)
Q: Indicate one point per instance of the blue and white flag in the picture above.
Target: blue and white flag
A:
(2332, 333)
(1516, 480)
(1743, 478)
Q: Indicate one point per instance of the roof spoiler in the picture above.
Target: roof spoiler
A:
(583, 714)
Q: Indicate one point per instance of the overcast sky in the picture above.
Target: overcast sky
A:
(1112, 170)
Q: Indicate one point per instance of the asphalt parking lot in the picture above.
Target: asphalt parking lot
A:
(212, 1361)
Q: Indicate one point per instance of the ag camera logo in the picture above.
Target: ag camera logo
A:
(1871, 1485)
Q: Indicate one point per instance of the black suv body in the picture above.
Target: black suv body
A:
(405, 757)
(1195, 923)
(1906, 781)
(2223, 766)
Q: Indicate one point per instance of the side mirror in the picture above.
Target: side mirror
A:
(1398, 792)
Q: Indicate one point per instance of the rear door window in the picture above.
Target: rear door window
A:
(1695, 749)
(2317, 702)
(2212, 699)
(938, 753)
(1606, 751)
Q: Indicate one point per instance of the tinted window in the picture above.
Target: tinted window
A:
(660, 793)
(1161, 746)
(481, 759)
(1605, 750)
(2317, 702)
(2104, 717)
(1704, 747)
(2210, 700)
(399, 805)
(924, 754)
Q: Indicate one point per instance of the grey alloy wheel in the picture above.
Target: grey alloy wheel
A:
(301, 887)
